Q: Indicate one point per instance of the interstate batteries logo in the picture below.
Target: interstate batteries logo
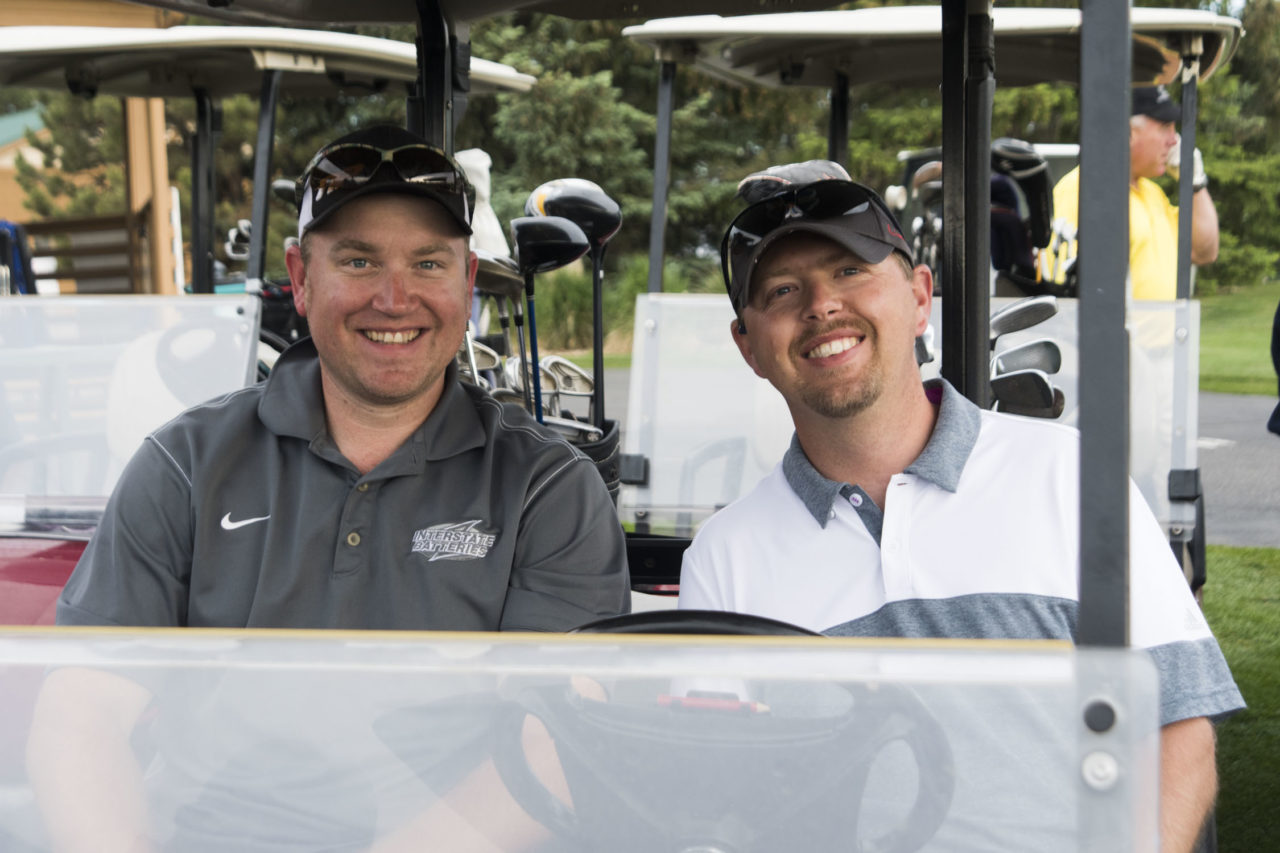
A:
(461, 540)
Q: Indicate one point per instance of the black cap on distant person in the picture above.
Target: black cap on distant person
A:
(381, 159)
(1155, 102)
(846, 212)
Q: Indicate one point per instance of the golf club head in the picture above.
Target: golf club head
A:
(284, 190)
(1022, 390)
(513, 380)
(487, 357)
(545, 243)
(1041, 354)
(1022, 315)
(507, 395)
(498, 275)
(1050, 413)
(581, 202)
(571, 380)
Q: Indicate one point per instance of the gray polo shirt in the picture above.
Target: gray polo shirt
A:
(241, 512)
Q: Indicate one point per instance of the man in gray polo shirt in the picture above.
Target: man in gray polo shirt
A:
(879, 521)
(362, 486)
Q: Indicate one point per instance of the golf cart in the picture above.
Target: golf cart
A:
(695, 742)
(91, 376)
(689, 462)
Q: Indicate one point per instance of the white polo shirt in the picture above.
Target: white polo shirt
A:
(978, 538)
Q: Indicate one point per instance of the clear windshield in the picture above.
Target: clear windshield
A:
(84, 379)
(318, 741)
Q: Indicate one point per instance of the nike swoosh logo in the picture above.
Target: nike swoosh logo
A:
(228, 524)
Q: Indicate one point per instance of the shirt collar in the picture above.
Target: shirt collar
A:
(941, 462)
(293, 405)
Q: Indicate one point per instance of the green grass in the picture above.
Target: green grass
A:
(1242, 602)
(582, 358)
(1235, 340)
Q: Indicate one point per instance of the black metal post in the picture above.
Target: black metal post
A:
(428, 113)
(262, 153)
(968, 85)
(980, 85)
(661, 173)
(203, 144)
(1106, 55)
(951, 268)
(838, 128)
(1190, 78)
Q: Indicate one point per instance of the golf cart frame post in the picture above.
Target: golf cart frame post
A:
(815, 50)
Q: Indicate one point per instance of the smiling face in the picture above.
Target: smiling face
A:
(831, 332)
(386, 290)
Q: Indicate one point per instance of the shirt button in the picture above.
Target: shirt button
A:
(831, 514)
(855, 499)
(363, 487)
(353, 539)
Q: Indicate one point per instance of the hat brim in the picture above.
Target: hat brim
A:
(376, 187)
(871, 249)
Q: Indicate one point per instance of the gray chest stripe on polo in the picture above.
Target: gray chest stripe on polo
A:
(174, 462)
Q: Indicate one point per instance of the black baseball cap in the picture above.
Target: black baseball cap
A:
(381, 159)
(849, 213)
(1155, 102)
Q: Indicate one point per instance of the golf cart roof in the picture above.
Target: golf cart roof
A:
(903, 45)
(337, 12)
(221, 60)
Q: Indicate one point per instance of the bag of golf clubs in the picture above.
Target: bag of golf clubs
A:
(566, 219)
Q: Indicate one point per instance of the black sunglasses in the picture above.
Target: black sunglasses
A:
(348, 165)
(825, 199)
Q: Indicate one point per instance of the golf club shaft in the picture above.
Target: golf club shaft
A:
(597, 334)
(533, 351)
(524, 362)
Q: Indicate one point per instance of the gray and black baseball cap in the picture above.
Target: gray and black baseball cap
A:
(1155, 102)
(381, 159)
(846, 212)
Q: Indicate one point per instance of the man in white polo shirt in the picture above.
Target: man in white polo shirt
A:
(901, 509)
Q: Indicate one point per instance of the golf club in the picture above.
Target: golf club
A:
(498, 276)
(588, 206)
(518, 376)
(1040, 354)
(543, 243)
(1023, 391)
(571, 380)
(1021, 315)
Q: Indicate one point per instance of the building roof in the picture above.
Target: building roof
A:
(14, 125)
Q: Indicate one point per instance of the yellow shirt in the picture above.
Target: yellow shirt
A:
(1153, 236)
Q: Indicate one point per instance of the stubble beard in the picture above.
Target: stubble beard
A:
(849, 398)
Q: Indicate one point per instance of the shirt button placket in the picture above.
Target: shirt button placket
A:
(357, 514)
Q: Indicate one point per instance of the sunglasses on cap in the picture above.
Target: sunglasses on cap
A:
(346, 165)
(820, 200)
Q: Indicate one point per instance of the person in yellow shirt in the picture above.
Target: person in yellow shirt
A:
(1153, 221)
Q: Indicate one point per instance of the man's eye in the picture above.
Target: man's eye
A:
(358, 263)
(781, 290)
(429, 265)
(850, 270)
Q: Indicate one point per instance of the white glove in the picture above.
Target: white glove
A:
(1199, 180)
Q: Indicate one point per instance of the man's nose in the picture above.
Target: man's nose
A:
(824, 300)
(392, 295)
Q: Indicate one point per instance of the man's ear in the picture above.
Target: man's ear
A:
(738, 331)
(922, 292)
(297, 278)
